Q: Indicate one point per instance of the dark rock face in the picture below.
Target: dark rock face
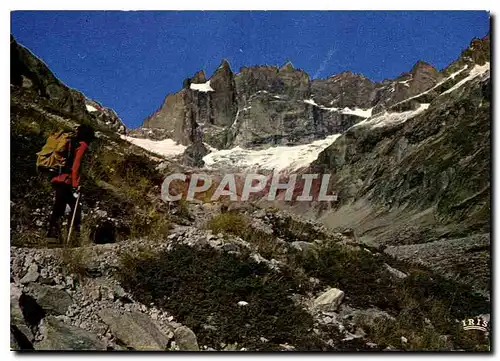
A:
(292, 83)
(270, 119)
(171, 117)
(31, 73)
(223, 99)
(344, 90)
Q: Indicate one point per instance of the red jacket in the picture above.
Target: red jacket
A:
(74, 177)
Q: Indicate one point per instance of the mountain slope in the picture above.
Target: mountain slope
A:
(32, 74)
(420, 173)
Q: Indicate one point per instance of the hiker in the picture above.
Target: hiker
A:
(67, 183)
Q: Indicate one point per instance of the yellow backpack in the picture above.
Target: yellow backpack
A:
(54, 154)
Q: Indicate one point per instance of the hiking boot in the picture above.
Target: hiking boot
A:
(53, 232)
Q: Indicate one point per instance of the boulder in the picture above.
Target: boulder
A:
(369, 317)
(134, 329)
(329, 300)
(395, 272)
(32, 274)
(309, 249)
(19, 327)
(53, 300)
(186, 339)
(60, 336)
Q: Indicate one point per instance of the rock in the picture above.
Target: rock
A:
(404, 339)
(308, 248)
(229, 247)
(95, 294)
(395, 272)
(100, 213)
(60, 336)
(360, 333)
(32, 274)
(134, 329)
(51, 299)
(16, 315)
(14, 345)
(329, 300)
(287, 347)
(368, 316)
(186, 339)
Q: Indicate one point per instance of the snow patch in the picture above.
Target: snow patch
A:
(391, 118)
(277, 158)
(90, 108)
(167, 147)
(202, 87)
(310, 101)
(357, 111)
(476, 71)
(235, 119)
(210, 148)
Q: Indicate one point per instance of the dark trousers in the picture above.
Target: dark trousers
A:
(64, 196)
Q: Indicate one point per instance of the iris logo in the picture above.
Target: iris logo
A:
(476, 323)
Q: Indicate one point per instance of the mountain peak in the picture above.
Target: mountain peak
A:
(422, 65)
(199, 77)
(224, 64)
(287, 67)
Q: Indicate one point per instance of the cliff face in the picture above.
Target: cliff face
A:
(266, 105)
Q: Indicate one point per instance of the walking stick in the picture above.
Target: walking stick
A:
(73, 218)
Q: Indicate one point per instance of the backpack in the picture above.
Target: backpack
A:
(55, 153)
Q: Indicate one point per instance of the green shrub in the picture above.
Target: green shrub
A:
(230, 222)
(202, 287)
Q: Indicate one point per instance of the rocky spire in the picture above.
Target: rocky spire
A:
(422, 66)
(199, 77)
(287, 67)
(224, 65)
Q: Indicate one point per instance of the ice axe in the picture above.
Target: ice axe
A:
(73, 217)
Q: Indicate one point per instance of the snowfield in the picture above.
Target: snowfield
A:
(203, 87)
(391, 118)
(166, 148)
(90, 108)
(357, 111)
(278, 158)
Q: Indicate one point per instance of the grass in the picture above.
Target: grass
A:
(131, 196)
(73, 260)
(422, 295)
(237, 224)
(363, 277)
(202, 287)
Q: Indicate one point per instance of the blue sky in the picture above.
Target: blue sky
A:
(130, 61)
